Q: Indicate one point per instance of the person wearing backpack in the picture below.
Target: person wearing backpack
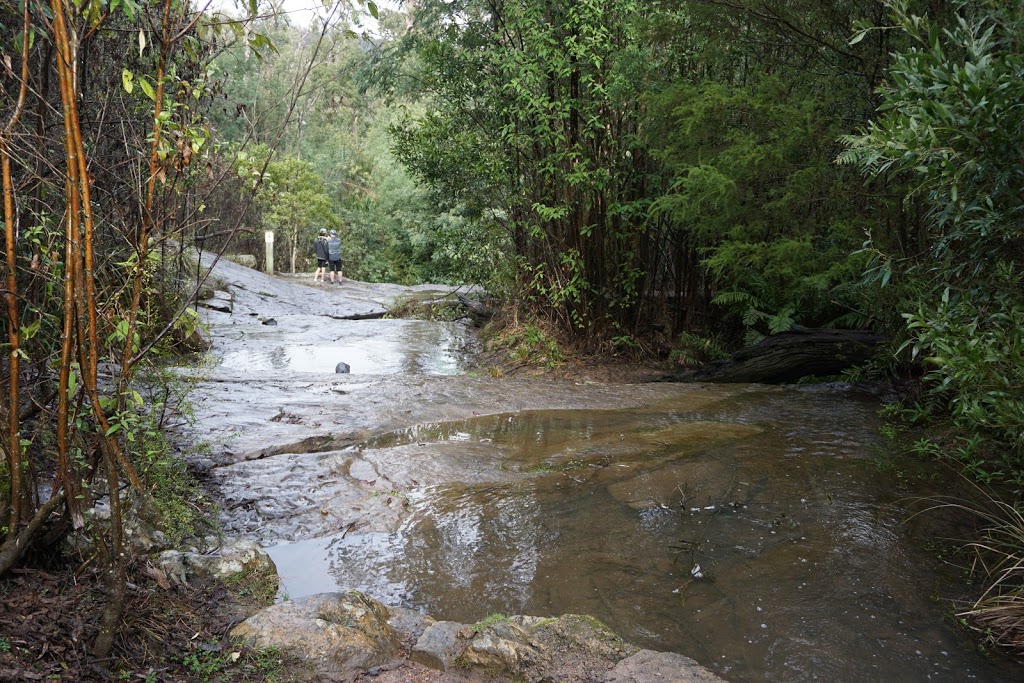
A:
(334, 255)
(321, 253)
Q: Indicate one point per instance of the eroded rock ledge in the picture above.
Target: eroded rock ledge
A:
(348, 635)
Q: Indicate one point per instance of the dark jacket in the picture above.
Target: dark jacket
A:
(334, 248)
(320, 247)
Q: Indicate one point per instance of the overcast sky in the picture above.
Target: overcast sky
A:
(301, 12)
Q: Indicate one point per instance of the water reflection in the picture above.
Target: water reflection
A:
(378, 347)
(756, 537)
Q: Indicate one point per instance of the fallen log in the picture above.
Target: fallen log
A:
(479, 312)
(789, 356)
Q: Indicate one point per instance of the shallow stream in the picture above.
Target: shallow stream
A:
(762, 531)
(762, 536)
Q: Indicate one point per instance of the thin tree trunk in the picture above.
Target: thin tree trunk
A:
(113, 611)
(11, 295)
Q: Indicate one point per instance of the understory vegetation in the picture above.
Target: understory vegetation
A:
(669, 180)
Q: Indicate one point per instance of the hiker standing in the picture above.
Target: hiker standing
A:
(320, 251)
(334, 255)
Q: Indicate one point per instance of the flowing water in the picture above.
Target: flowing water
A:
(762, 535)
(760, 530)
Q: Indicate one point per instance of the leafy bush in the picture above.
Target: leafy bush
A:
(952, 121)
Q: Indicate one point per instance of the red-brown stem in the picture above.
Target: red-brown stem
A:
(11, 295)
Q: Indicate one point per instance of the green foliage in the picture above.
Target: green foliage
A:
(951, 120)
(527, 344)
(334, 167)
(205, 663)
(754, 184)
(693, 350)
(518, 138)
(295, 205)
(259, 584)
(176, 504)
(489, 620)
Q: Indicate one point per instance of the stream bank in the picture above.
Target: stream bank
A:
(758, 530)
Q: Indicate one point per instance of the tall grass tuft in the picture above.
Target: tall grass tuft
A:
(997, 560)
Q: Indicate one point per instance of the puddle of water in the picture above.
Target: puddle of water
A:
(756, 537)
(368, 347)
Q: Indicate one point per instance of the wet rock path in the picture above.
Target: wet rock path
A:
(282, 424)
(749, 527)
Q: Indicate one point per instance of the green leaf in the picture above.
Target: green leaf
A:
(373, 9)
(147, 88)
(30, 330)
(252, 7)
(128, 81)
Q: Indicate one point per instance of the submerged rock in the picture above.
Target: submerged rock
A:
(341, 634)
(648, 666)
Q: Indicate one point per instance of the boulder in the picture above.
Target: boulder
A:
(439, 645)
(341, 634)
(409, 623)
(247, 260)
(533, 649)
(513, 655)
(342, 368)
(231, 559)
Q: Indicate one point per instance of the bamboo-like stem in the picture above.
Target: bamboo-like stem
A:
(80, 215)
(11, 295)
(71, 251)
(142, 245)
(117, 578)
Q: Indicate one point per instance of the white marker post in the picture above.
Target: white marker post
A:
(269, 262)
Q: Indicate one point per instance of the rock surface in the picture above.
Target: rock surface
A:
(232, 558)
(341, 634)
(439, 645)
(345, 635)
(648, 666)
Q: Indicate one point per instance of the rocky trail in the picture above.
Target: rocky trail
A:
(283, 427)
(429, 523)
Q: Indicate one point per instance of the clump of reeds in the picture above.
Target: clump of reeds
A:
(997, 559)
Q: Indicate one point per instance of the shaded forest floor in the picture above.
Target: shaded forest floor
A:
(48, 618)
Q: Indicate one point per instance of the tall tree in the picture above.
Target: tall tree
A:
(535, 122)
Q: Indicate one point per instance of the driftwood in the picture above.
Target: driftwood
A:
(788, 356)
(479, 312)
